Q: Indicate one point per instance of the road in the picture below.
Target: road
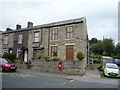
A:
(27, 80)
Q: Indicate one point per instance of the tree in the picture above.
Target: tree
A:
(93, 41)
(117, 49)
(10, 56)
(103, 47)
(107, 46)
(96, 48)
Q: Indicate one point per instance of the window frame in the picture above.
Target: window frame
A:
(56, 51)
(69, 32)
(54, 34)
(5, 42)
(18, 55)
(20, 38)
(36, 37)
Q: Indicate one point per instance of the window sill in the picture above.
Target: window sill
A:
(35, 42)
(5, 44)
(53, 40)
(19, 43)
(69, 39)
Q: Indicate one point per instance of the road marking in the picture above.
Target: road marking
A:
(24, 75)
(72, 80)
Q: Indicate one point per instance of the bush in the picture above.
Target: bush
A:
(55, 58)
(48, 58)
(10, 56)
(80, 56)
(116, 57)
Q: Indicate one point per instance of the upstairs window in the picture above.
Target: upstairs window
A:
(54, 51)
(36, 37)
(69, 32)
(5, 40)
(20, 38)
(54, 34)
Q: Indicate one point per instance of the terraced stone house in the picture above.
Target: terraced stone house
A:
(61, 39)
(7, 41)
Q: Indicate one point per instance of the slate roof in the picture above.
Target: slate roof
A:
(65, 22)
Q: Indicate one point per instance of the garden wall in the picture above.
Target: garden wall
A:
(75, 67)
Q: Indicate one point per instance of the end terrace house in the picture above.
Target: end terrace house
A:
(7, 41)
(61, 39)
(16, 41)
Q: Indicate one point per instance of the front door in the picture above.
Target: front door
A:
(69, 52)
(25, 56)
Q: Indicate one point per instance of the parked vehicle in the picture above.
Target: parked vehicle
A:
(7, 65)
(117, 61)
(111, 70)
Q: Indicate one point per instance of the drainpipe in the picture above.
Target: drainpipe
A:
(48, 41)
(41, 38)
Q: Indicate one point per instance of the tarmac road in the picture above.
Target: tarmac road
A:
(34, 79)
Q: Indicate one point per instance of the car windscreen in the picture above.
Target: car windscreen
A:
(2, 60)
(112, 66)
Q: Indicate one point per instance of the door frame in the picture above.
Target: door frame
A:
(73, 50)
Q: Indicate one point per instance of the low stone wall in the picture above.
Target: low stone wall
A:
(74, 67)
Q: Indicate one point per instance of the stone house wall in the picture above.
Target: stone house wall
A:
(1, 44)
(10, 40)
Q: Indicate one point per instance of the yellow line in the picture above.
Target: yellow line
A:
(72, 80)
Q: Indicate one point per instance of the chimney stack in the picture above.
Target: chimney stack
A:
(8, 29)
(30, 24)
(18, 26)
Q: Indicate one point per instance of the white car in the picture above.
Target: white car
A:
(111, 70)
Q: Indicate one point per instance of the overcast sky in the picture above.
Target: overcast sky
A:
(101, 15)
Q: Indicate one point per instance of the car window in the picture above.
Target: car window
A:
(117, 61)
(2, 60)
(112, 66)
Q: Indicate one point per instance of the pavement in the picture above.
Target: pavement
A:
(90, 76)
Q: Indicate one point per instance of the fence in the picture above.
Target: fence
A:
(73, 67)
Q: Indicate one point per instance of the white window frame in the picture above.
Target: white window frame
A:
(5, 51)
(5, 40)
(18, 53)
(20, 38)
(36, 37)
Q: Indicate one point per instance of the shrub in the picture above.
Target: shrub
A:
(116, 57)
(47, 58)
(80, 56)
(10, 56)
(55, 58)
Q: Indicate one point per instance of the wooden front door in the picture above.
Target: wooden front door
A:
(69, 52)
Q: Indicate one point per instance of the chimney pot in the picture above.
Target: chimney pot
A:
(30, 24)
(8, 29)
(18, 26)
